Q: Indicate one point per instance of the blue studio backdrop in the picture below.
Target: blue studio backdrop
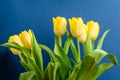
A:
(19, 15)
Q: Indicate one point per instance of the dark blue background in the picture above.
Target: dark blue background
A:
(19, 15)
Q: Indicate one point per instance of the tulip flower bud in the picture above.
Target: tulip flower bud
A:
(76, 27)
(93, 29)
(59, 24)
(26, 38)
(15, 38)
(83, 37)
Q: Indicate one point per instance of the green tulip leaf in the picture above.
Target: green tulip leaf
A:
(51, 71)
(37, 53)
(63, 60)
(87, 69)
(74, 51)
(113, 58)
(39, 74)
(74, 72)
(88, 45)
(67, 44)
(100, 43)
(61, 54)
(98, 54)
(73, 48)
(26, 66)
(12, 45)
(49, 51)
(90, 70)
(102, 68)
(27, 76)
(24, 62)
(63, 68)
(15, 45)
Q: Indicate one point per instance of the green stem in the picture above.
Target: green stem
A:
(79, 55)
(74, 51)
(50, 52)
(93, 45)
(24, 63)
(39, 74)
(75, 72)
(58, 40)
(21, 58)
(67, 33)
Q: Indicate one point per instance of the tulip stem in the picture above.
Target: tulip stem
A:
(78, 45)
(60, 41)
(93, 45)
(23, 62)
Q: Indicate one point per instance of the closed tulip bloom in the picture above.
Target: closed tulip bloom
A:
(26, 38)
(15, 38)
(59, 24)
(82, 38)
(76, 26)
(93, 29)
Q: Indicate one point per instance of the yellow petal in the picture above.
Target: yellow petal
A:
(59, 24)
(26, 39)
(15, 38)
(76, 26)
(15, 51)
(93, 28)
(30, 33)
(82, 38)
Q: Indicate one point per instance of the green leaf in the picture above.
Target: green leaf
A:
(63, 68)
(113, 58)
(73, 48)
(97, 70)
(67, 44)
(74, 72)
(39, 74)
(60, 52)
(88, 45)
(24, 62)
(51, 71)
(50, 52)
(102, 68)
(90, 70)
(74, 51)
(62, 59)
(12, 45)
(98, 54)
(15, 45)
(100, 43)
(25, 65)
(37, 53)
(87, 68)
(29, 63)
(27, 75)
(58, 40)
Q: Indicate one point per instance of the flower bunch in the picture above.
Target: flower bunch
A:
(62, 67)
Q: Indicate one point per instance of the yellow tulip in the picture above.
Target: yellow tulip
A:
(83, 37)
(93, 29)
(26, 38)
(59, 24)
(15, 38)
(76, 26)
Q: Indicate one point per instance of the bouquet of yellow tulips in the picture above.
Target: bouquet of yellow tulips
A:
(61, 66)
